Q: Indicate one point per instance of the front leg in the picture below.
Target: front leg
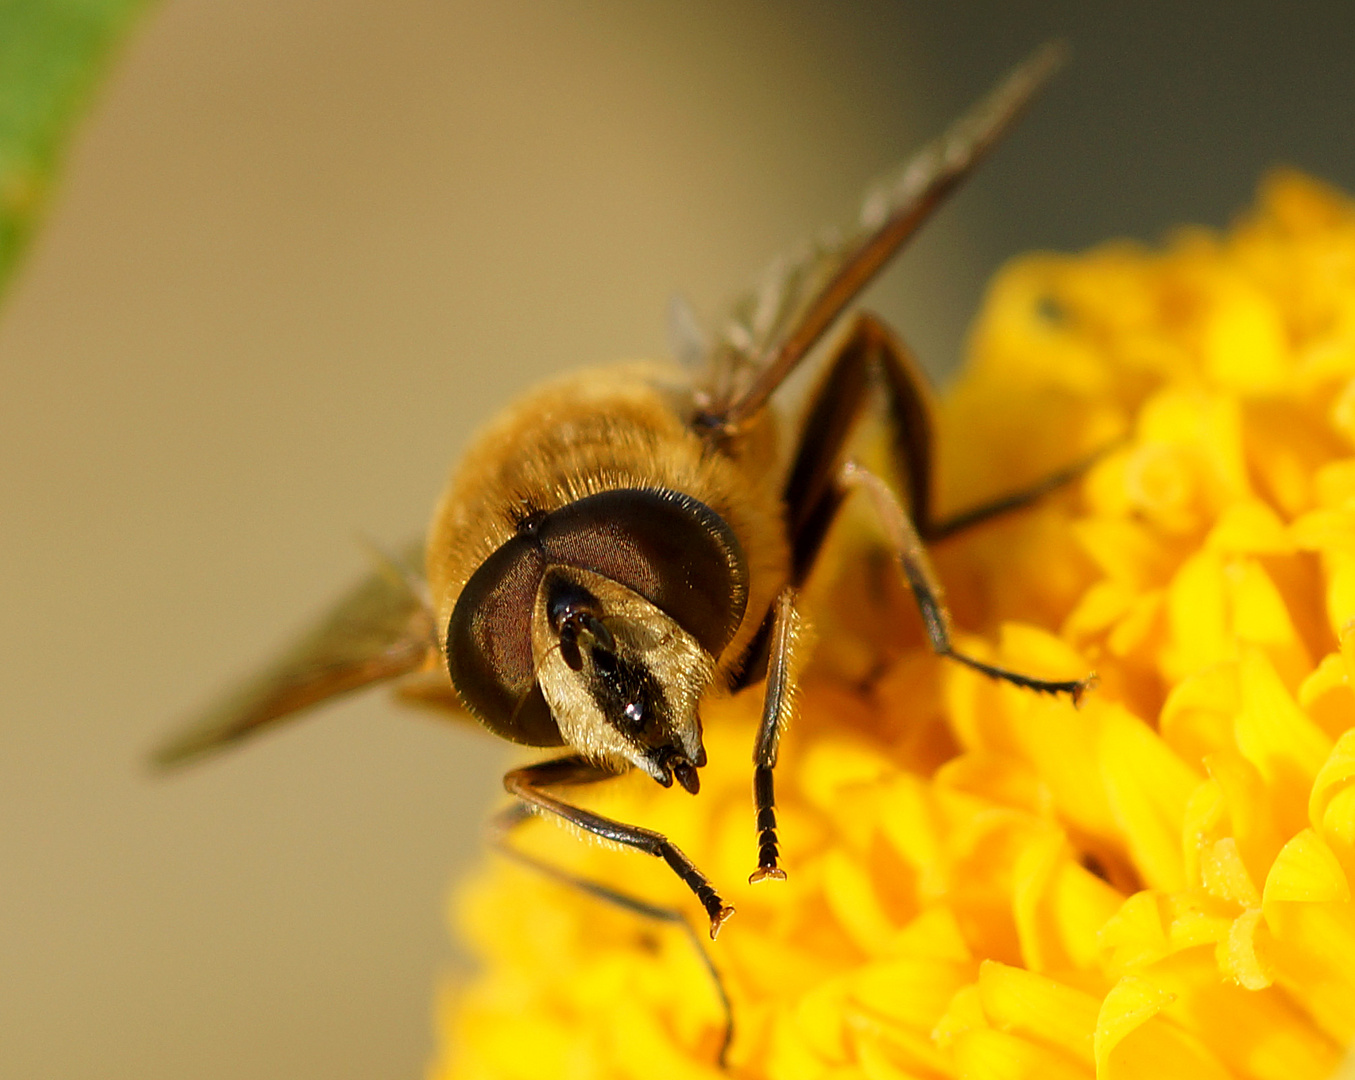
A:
(530, 783)
(517, 814)
(776, 709)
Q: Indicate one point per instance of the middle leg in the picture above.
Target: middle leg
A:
(871, 357)
(912, 555)
(870, 360)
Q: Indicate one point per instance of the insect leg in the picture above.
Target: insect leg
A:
(813, 490)
(869, 355)
(809, 494)
(776, 705)
(818, 482)
(912, 556)
(529, 784)
(519, 813)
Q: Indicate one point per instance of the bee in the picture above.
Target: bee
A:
(622, 542)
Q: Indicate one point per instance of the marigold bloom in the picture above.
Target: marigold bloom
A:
(985, 882)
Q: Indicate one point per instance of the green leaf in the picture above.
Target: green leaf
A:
(52, 52)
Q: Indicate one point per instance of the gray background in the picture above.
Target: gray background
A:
(301, 250)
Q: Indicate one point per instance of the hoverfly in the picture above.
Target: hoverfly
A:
(623, 541)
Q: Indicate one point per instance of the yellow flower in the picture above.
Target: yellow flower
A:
(985, 882)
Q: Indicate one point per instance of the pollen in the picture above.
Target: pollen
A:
(987, 882)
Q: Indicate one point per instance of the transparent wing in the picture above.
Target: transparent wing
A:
(770, 329)
(380, 629)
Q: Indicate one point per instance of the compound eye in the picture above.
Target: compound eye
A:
(668, 548)
(489, 646)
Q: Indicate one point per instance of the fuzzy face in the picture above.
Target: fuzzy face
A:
(622, 679)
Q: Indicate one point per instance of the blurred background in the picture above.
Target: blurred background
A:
(300, 251)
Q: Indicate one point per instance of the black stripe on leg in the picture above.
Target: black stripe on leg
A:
(764, 796)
